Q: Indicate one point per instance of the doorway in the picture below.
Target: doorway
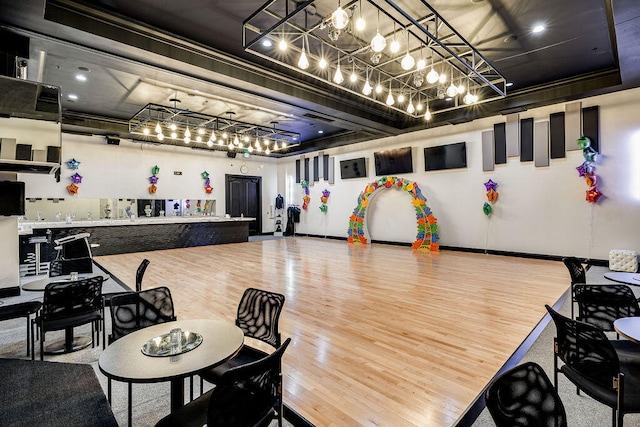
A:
(244, 198)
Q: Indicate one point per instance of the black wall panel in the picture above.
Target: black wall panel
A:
(325, 167)
(316, 168)
(500, 143)
(306, 169)
(298, 171)
(557, 135)
(526, 140)
(591, 125)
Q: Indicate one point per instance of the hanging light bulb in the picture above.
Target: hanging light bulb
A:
(395, 46)
(408, 61)
(443, 78)
(452, 90)
(378, 42)
(460, 89)
(360, 22)
(323, 63)
(250, 149)
(411, 108)
(283, 145)
(186, 140)
(245, 138)
(267, 151)
(390, 101)
(187, 133)
(224, 135)
(257, 143)
(173, 126)
(160, 136)
(158, 128)
(230, 146)
(427, 113)
(339, 18)
(432, 75)
(419, 107)
(213, 136)
(220, 142)
(337, 77)
(200, 131)
(198, 138)
(236, 140)
(401, 98)
(209, 143)
(378, 88)
(275, 146)
(353, 77)
(174, 135)
(468, 98)
(282, 44)
(145, 131)
(366, 89)
(303, 61)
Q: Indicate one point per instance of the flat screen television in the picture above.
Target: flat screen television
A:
(450, 156)
(353, 168)
(392, 162)
(11, 198)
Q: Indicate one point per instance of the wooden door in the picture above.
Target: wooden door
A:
(244, 197)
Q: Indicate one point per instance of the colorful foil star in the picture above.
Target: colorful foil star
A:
(487, 209)
(153, 189)
(490, 185)
(205, 175)
(73, 164)
(155, 170)
(492, 195)
(584, 142)
(72, 189)
(593, 194)
(153, 179)
(76, 178)
(590, 155)
(208, 189)
(584, 169)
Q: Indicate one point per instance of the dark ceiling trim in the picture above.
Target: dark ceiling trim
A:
(354, 113)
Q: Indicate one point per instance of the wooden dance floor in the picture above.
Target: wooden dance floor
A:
(381, 335)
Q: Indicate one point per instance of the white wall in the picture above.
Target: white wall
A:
(123, 171)
(540, 210)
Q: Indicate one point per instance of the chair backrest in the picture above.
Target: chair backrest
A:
(258, 315)
(140, 274)
(63, 267)
(601, 305)
(585, 349)
(137, 310)
(64, 300)
(525, 396)
(247, 394)
(576, 270)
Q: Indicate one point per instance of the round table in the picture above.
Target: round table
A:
(124, 360)
(628, 327)
(40, 284)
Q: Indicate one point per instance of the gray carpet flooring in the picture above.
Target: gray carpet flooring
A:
(151, 402)
(582, 411)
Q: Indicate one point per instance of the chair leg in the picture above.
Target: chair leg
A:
(109, 390)
(28, 334)
(41, 344)
(129, 415)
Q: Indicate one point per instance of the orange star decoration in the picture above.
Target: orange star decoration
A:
(73, 189)
(153, 189)
(492, 195)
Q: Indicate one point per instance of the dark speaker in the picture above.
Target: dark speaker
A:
(23, 152)
(113, 140)
(53, 154)
(231, 154)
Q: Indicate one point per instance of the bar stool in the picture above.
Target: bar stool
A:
(37, 241)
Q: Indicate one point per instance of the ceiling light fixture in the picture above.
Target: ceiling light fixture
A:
(158, 117)
(320, 31)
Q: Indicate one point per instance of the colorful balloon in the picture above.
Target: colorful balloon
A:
(492, 195)
(73, 189)
(153, 179)
(208, 189)
(490, 185)
(585, 168)
(76, 178)
(590, 155)
(584, 142)
(593, 195)
(487, 209)
(155, 169)
(73, 164)
(205, 175)
(591, 179)
(153, 189)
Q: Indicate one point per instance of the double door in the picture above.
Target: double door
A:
(244, 198)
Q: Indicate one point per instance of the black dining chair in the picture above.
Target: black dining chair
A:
(601, 305)
(132, 311)
(594, 365)
(22, 309)
(258, 316)
(524, 396)
(67, 305)
(245, 395)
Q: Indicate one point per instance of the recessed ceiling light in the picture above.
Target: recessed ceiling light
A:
(320, 131)
(72, 96)
(509, 84)
(267, 43)
(538, 28)
(81, 77)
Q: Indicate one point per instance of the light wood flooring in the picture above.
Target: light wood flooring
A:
(381, 335)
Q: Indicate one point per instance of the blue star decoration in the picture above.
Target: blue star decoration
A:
(76, 178)
(73, 164)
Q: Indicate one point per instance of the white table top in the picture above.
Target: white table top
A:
(40, 284)
(623, 277)
(124, 361)
(628, 327)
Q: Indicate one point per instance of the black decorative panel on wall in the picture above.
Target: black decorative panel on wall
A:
(500, 142)
(325, 167)
(316, 168)
(591, 125)
(298, 171)
(526, 140)
(306, 169)
(557, 135)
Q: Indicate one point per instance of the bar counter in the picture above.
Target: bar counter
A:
(118, 236)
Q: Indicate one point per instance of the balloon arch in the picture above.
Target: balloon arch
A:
(427, 237)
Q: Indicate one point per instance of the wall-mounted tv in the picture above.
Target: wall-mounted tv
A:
(353, 168)
(450, 156)
(392, 162)
(11, 198)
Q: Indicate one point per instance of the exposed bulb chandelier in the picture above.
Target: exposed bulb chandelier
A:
(369, 42)
(212, 132)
